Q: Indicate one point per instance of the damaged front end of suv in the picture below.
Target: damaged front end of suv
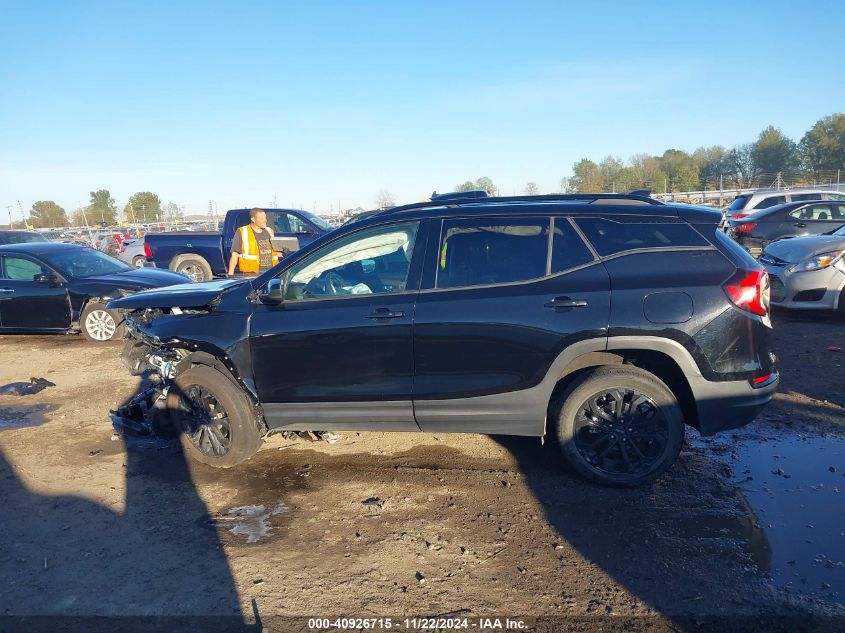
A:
(191, 345)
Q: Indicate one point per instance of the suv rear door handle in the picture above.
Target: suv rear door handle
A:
(385, 313)
(800, 225)
(6, 291)
(562, 304)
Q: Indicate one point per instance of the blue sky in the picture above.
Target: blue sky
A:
(320, 103)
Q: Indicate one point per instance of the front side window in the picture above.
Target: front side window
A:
(375, 261)
(21, 268)
(813, 213)
(484, 251)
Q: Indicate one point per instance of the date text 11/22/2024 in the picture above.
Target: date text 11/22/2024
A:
(418, 624)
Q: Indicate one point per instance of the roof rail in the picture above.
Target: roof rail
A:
(601, 198)
(473, 194)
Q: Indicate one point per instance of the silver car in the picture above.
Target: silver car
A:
(807, 273)
(132, 252)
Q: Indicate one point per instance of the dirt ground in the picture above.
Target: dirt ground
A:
(97, 523)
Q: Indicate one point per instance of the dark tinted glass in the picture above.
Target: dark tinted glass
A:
(20, 237)
(738, 203)
(770, 202)
(568, 249)
(483, 251)
(609, 237)
(798, 197)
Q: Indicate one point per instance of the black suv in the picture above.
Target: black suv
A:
(606, 321)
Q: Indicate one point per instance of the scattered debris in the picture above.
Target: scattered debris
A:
(95, 453)
(373, 501)
(420, 578)
(26, 388)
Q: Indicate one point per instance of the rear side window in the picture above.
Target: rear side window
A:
(771, 202)
(609, 238)
(568, 249)
(799, 197)
(484, 251)
(738, 203)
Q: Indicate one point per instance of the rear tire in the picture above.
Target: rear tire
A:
(99, 324)
(217, 422)
(620, 426)
(194, 268)
(138, 261)
(840, 308)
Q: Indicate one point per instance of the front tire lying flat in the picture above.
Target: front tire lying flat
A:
(620, 426)
(217, 422)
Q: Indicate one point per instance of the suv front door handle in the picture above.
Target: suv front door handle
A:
(800, 225)
(6, 291)
(385, 313)
(562, 304)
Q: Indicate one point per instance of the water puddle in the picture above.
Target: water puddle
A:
(796, 488)
(23, 416)
(250, 521)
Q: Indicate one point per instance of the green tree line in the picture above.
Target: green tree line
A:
(143, 207)
(771, 156)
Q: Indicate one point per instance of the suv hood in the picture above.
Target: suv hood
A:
(188, 295)
(798, 249)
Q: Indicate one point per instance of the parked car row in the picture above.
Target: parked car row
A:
(801, 243)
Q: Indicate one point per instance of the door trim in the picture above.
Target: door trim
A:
(394, 415)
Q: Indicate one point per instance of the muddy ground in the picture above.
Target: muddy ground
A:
(750, 523)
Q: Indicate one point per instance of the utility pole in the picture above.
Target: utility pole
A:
(9, 209)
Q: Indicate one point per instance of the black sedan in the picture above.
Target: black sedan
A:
(48, 287)
(792, 219)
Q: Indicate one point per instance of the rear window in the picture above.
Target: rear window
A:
(22, 237)
(816, 212)
(738, 203)
(484, 251)
(609, 237)
(771, 202)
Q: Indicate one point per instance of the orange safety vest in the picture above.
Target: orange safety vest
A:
(248, 261)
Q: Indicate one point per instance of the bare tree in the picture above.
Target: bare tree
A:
(385, 199)
(531, 189)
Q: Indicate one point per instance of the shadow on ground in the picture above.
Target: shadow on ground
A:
(154, 556)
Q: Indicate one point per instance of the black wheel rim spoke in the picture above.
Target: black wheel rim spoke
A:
(206, 422)
(621, 432)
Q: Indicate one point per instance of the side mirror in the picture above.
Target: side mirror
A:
(47, 278)
(274, 293)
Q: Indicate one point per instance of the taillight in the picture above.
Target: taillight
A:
(750, 291)
(148, 252)
(738, 216)
(747, 227)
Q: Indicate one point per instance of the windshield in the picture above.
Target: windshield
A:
(84, 262)
(22, 237)
(316, 219)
